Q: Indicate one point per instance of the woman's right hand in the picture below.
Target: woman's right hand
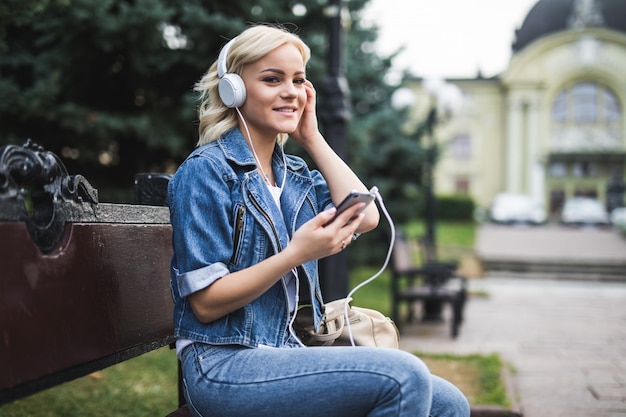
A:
(315, 241)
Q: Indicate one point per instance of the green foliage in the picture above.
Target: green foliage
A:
(455, 207)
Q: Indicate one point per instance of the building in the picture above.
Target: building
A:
(552, 125)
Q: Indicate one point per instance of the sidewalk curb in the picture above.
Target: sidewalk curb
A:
(490, 411)
(511, 392)
(497, 411)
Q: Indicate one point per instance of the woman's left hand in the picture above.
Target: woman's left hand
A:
(307, 129)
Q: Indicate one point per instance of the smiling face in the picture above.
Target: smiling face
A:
(275, 93)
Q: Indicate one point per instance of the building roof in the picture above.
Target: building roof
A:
(550, 16)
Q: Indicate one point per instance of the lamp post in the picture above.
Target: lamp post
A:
(429, 186)
(335, 116)
(445, 101)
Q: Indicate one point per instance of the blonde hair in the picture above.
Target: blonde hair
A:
(250, 46)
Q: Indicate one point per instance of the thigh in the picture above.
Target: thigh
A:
(303, 382)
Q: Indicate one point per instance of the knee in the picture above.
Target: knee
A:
(410, 373)
(410, 364)
(448, 400)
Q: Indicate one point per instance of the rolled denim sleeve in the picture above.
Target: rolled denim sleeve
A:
(200, 207)
(198, 279)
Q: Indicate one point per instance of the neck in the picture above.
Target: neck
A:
(265, 147)
(263, 156)
(268, 174)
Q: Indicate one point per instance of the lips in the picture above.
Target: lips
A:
(286, 109)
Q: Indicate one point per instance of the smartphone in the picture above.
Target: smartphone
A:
(351, 199)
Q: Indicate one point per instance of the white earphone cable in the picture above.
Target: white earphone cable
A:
(282, 185)
(380, 271)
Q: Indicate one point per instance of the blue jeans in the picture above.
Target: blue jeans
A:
(233, 381)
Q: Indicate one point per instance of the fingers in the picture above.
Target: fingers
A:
(345, 218)
(344, 225)
(315, 241)
(309, 84)
(311, 94)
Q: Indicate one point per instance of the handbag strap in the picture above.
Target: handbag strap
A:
(332, 332)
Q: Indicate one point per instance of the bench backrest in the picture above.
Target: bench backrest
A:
(97, 296)
(407, 253)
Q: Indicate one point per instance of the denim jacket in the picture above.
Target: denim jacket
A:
(224, 220)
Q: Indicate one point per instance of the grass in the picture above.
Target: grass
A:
(479, 377)
(454, 239)
(147, 385)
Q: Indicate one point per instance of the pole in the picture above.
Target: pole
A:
(433, 309)
(429, 185)
(431, 204)
(335, 115)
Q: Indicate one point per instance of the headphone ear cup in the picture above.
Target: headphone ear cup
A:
(232, 90)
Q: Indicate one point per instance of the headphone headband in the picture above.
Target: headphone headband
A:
(232, 89)
(221, 59)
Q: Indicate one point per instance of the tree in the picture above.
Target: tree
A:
(382, 150)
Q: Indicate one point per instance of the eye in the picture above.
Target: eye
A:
(299, 81)
(271, 79)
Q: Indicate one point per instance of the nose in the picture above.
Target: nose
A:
(290, 90)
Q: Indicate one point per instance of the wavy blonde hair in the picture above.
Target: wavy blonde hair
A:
(250, 46)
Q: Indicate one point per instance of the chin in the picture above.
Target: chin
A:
(287, 129)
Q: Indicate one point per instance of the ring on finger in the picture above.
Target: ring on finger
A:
(343, 244)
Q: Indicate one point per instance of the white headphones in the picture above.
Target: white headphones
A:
(231, 88)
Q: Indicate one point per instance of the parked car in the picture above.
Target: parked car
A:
(618, 218)
(584, 211)
(511, 208)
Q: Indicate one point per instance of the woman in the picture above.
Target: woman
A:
(247, 233)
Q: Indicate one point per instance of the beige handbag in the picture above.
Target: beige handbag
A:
(368, 327)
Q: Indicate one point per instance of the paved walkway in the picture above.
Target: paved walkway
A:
(564, 334)
(566, 341)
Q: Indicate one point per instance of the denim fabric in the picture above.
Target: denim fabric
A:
(237, 381)
(224, 219)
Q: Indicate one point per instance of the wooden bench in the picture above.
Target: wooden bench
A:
(84, 285)
(416, 277)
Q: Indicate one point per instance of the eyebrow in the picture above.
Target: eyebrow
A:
(279, 71)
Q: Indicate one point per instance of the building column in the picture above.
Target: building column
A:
(534, 168)
(514, 151)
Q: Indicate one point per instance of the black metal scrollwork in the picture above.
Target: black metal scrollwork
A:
(35, 188)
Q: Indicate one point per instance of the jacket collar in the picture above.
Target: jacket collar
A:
(237, 150)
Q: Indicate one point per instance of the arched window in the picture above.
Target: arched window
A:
(461, 147)
(585, 116)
